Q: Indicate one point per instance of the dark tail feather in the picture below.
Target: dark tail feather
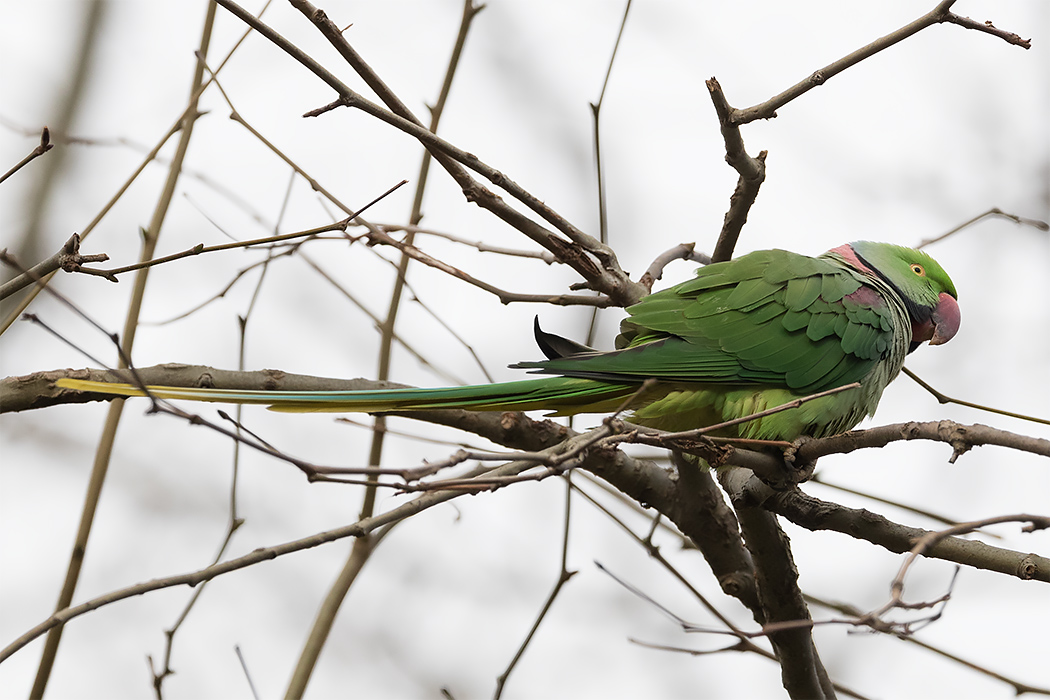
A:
(554, 346)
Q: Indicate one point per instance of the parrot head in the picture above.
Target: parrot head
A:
(927, 291)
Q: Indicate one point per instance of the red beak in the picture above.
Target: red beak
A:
(946, 318)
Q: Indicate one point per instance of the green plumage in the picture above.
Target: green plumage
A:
(741, 337)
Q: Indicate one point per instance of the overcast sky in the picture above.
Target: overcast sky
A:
(902, 147)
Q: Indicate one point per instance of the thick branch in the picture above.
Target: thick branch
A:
(960, 437)
(814, 514)
(752, 174)
(38, 391)
(801, 670)
(699, 508)
(643, 481)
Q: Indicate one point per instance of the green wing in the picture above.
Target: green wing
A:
(770, 318)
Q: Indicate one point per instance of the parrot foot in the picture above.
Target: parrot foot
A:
(798, 468)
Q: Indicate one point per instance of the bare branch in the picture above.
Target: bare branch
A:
(37, 391)
(815, 514)
(988, 28)
(701, 510)
(358, 529)
(200, 248)
(44, 146)
(930, 539)
(644, 482)
(609, 278)
(943, 398)
(68, 259)
(936, 517)
(802, 672)
(564, 574)
(481, 246)
(941, 13)
(682, 251)
(376, 237)
(752, 174)
(960, 437)
(994, 211)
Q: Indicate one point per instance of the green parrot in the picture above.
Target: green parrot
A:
(743, 336)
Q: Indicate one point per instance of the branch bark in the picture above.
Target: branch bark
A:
(68, 258)
(814, 514)
(802, 673)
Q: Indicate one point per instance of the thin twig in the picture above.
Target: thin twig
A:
(603, 213)
(940, 13)
(853, 611)
(43, 147)
(444, 374)
(563, 577)
(256, 556)
(943, 398)
(200, 248)
(607, 278)
(244, 667)
(506, 297)
(188, 112)
(994, 211)
(480, 246)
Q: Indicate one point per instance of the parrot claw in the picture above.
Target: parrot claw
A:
(800, 469)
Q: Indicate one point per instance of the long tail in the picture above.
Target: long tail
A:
(563, 395)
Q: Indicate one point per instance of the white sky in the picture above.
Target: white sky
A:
(900, 148)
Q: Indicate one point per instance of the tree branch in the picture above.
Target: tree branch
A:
(68, 259)
(358, 529)
(752, 174)
(576, 252)
(814, 514)
(43, 147)
(937, 15)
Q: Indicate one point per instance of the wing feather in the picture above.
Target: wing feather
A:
(802, 291)
(771, 318)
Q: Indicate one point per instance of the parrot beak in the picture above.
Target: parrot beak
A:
(946, 318)
(940, 327)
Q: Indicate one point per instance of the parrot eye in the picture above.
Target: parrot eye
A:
(918, 269)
